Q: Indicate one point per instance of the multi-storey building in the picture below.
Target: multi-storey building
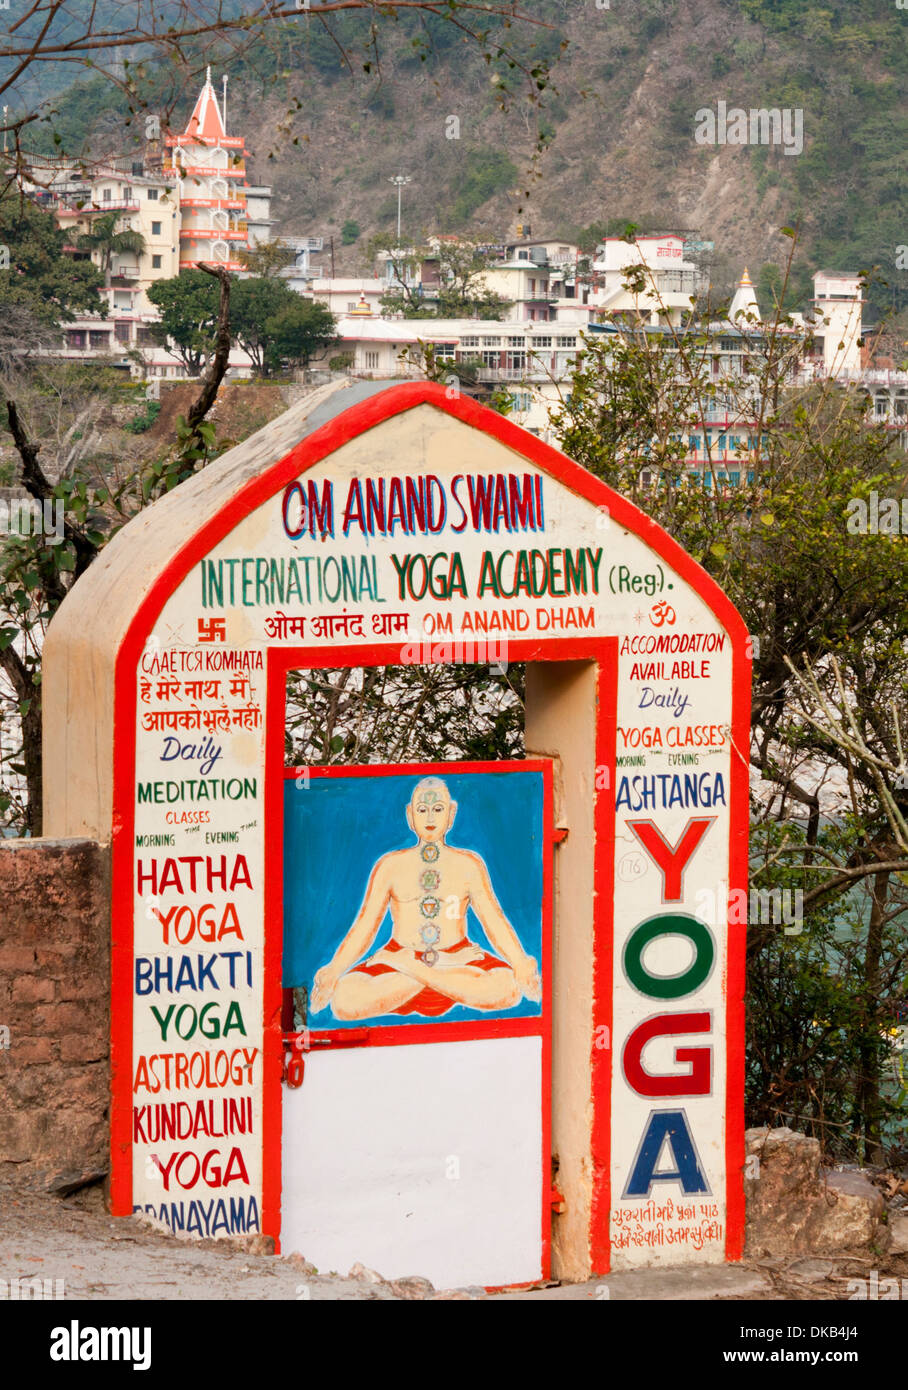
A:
(667, 281)
(530, 362)
(142, 201)
(193, 207)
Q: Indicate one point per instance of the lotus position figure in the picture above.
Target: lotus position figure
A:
(429, 964)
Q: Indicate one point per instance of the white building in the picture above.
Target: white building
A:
(258, 213)
(837, 307)
(668, 280)
(345, 296)
(531, 362)
(142, 200)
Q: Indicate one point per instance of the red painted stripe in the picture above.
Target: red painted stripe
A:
(602, 1059)
(739, 822)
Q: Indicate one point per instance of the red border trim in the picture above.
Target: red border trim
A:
(347, 425)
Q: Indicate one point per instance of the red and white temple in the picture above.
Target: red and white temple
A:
(210, 168)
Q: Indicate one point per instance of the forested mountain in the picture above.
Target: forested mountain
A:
(331, 110)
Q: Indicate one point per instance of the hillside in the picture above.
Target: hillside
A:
(611, 139)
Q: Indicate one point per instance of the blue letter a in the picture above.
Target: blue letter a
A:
(665, 1125)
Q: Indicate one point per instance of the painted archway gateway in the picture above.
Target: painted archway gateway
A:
(372, 526)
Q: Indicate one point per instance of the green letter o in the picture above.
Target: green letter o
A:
(669, 986)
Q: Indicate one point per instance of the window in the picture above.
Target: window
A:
(99, 340)
(106, 195)
(469, 342)
(122, 332)
(515, 342)
(152, 195)
(155, 229)
(371, 361)
(520, 401)
(542, 342)
(695, 444)
(351, 306)
(156, 262)
(444, 352)
(491, 342)
(566, 342)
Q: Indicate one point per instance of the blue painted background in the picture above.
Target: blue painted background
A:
(336, 828)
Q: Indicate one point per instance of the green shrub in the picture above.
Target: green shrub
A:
(144, 421)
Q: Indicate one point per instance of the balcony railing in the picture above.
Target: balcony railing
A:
(213, 233)
(529, 373)
(93, 209)
(232, 204)
(205, 171)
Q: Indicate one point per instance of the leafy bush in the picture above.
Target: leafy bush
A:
(144, 421)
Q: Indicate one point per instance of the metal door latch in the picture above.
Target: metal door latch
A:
(296, 1045)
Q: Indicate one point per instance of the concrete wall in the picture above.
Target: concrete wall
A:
(55, 1002)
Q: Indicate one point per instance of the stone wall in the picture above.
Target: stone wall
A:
(55, 1004)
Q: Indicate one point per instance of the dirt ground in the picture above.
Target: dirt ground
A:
(240, 409)
(75, 1240)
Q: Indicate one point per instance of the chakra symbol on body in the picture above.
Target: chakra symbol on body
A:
(430, 905)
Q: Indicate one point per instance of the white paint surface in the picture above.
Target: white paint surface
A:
(418, 1159)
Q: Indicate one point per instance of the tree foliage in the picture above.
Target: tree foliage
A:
(40, 279)
(188, 305)
(274, 324)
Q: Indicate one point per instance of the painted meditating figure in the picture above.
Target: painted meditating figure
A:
(429, 964)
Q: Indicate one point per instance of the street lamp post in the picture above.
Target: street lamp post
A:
(400, 180)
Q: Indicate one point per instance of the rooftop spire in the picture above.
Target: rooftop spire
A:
(206, 120)
(744, 302)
